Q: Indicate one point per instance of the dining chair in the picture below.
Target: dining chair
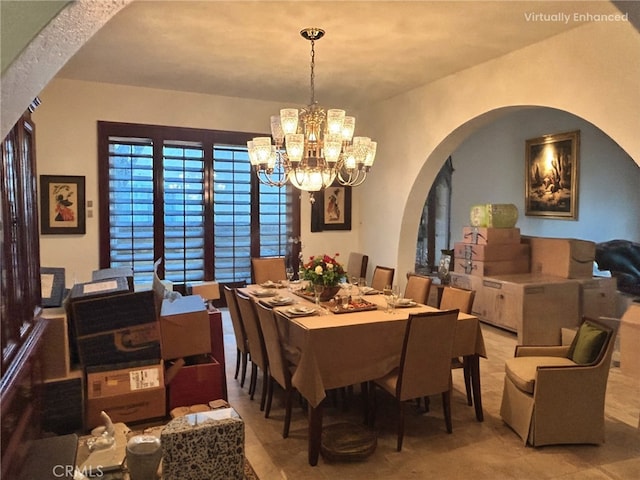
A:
(357, 265)
(280, 369)
(382, 276)
(425, 365)
(417, 288)
(249, 315)
(268, 268)
(462, 299)
(242, 343)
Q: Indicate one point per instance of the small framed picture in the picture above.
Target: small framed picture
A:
(551, 170)
(332, 209)
(62, 205)
(52, 284)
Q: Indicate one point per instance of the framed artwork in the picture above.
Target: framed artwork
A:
(332, 209)
(62, 207)
(52, 283)
(551, 171)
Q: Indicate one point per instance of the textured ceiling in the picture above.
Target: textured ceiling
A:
(372, 50)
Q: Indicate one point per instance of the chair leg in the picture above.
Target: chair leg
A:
(245, 358)
(400, 424)
(265, 383)
(287, 411)
(253, 380)
(238, 355)
(446, 407)
(466, 369)
(267, 409)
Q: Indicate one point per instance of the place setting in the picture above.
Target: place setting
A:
(278, 301)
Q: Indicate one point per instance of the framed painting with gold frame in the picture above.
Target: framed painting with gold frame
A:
(551, 176)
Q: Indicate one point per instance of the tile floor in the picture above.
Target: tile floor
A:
(487, 450)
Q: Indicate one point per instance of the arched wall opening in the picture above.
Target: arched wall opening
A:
(607, 177)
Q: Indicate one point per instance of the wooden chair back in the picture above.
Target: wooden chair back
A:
(249, 316)
(425, 363)
(417, 288)
(357, 265)
(268, 268)
(382, 276)
(453, 297)
(236, 321)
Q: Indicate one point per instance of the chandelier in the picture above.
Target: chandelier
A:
(312, 148)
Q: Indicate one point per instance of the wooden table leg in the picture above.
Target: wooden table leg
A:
(315, 433)
(474, 365)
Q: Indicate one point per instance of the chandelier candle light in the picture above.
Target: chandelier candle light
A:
(312, 147)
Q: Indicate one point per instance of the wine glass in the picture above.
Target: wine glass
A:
(387, 291)
(289, 272)
(396, 295)
(362, 285)
(317, 290)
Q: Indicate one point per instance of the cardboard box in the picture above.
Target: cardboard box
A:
(140, 342)
(630, 341)
(98, 288)
(598, 297)
(56, 356)
(483, 236)
(562, 257)
(536, 307)
(499, 267)
(490, 252)
(216, 446)
(108, 381)
(196, 383)
(113, 312)
(127, 394)
(184, 328)
(131, 407)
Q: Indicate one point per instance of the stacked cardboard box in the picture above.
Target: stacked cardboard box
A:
(491, 251)
(193, 374)
(117, 339)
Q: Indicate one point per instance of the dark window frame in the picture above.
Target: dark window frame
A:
(208, 138)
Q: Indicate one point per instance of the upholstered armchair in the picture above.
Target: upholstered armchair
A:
(555, 394)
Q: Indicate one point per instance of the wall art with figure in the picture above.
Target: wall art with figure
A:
(331, 209)
(551, 171)
(62, 204)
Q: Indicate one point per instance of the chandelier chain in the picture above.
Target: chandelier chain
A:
(313, 74)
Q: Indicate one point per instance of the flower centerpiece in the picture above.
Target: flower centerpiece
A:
(324, 270)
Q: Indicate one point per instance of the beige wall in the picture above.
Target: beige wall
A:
(575, 72)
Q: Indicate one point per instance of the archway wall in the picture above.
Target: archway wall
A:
(575, 72)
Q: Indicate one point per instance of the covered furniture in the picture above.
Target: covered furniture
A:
(280, 369)
(424, 367)
(329, 359)
(268, 269)
(259, 358)
(555, 394)
(382, 276)
(461, 299)
(417, 288)
(242, 343)
(357, 265)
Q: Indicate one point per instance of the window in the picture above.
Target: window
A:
(187, 196)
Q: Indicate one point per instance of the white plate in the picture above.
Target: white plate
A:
(300, 310)
(264, 293)
(281, 300)
(405, 303)
(269, 284)
(367, 290)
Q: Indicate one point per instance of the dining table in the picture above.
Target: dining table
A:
(338, 347)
